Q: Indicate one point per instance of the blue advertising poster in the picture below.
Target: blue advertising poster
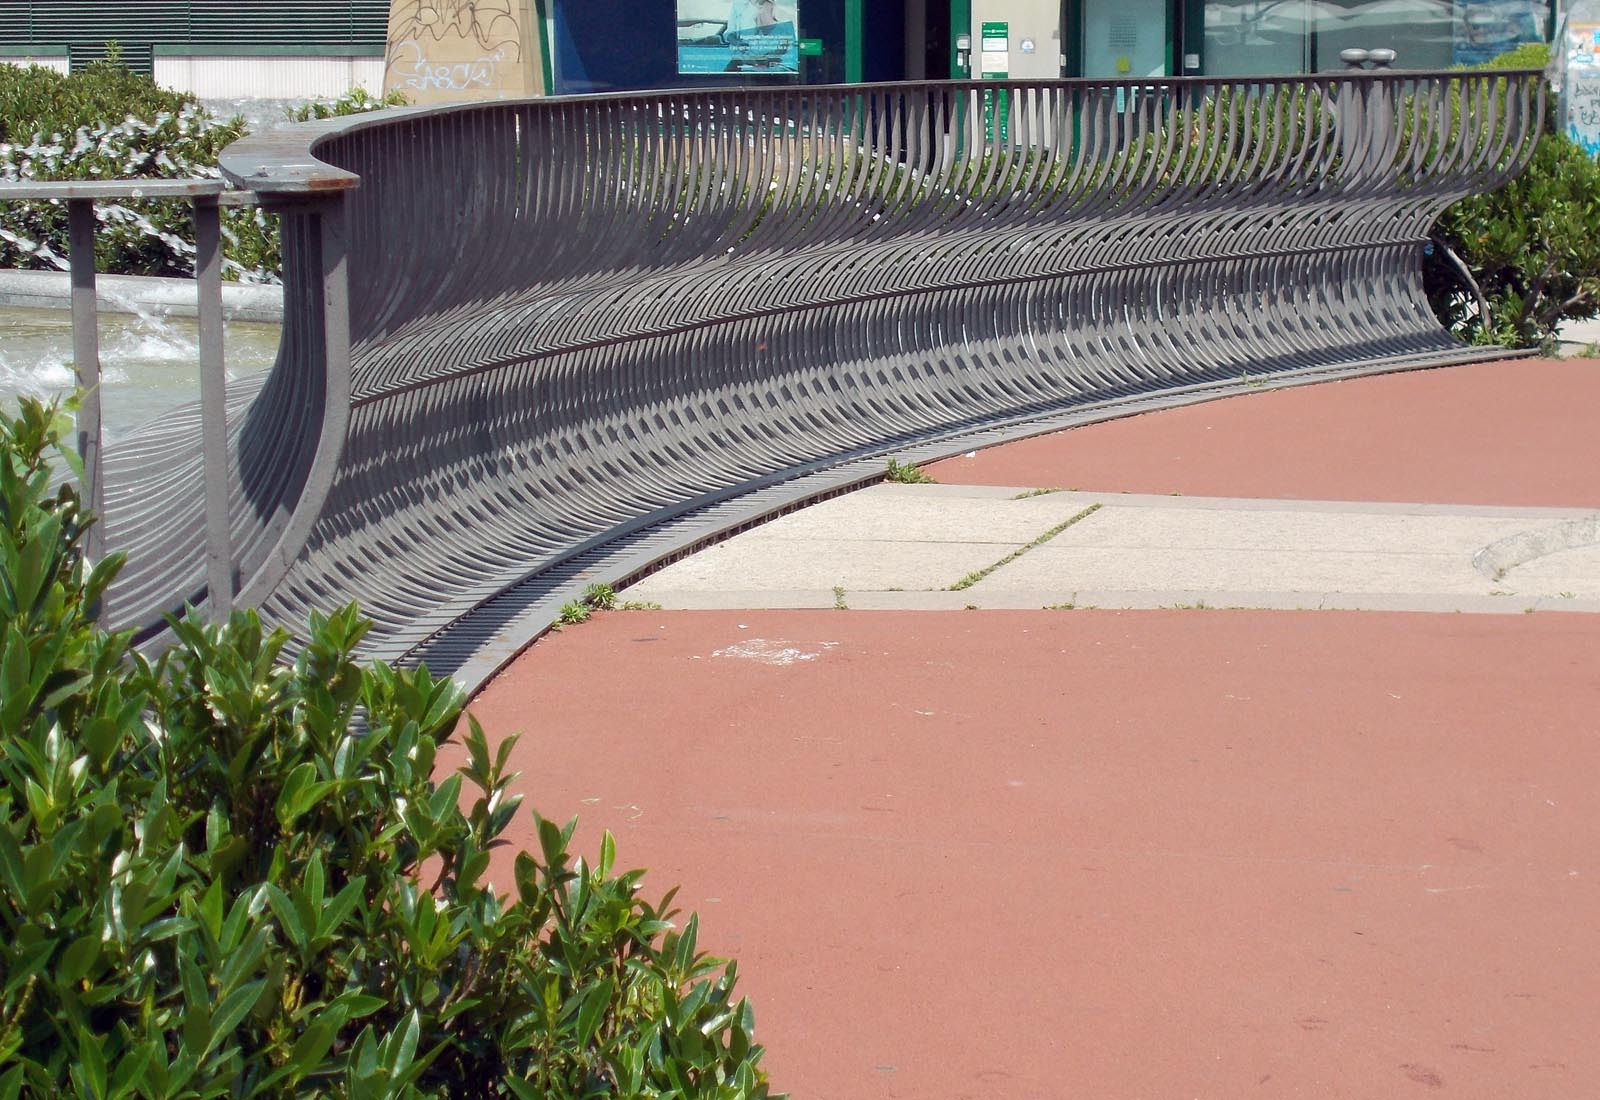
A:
(738, 37)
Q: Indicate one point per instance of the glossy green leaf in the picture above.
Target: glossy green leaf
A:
(229, 886)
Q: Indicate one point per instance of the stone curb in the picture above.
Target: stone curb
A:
(137, 293)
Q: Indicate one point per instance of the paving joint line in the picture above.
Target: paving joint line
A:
(973, 578)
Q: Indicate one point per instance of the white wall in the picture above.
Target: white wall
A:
(1036, 21)
(270, 77)
(59, 64)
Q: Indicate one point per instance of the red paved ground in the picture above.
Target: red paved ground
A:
(1520, 432)
(1090, 854)
(1161, 854)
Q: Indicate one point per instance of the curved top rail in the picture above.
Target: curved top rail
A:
(110, 189)
(283, 161)
(280, 162)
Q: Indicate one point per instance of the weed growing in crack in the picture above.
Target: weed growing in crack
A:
(907, 474)
(600, 597)
(973, 578)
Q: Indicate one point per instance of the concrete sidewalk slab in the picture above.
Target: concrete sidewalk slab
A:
(1292, 572)
(894, 546)
(929, 513)
(1060, 598)
(752, 563)
(1571, 571)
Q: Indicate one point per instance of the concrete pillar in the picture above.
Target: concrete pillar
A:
(455, 51)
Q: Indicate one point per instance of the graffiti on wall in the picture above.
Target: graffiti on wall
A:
(442, 49)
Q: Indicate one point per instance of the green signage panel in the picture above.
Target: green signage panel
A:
(811, 47)
(996, 112)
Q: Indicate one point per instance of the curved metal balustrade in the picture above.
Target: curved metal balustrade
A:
(517, 330)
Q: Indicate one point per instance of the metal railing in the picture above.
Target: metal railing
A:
(207, 197)
(519, 333)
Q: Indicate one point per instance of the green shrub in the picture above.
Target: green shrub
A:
(1529, 55)
(600, 596)
(223, 874)
(105, 122)
(36, 102)
(1510, 266)
(572, 613)
(355, 102)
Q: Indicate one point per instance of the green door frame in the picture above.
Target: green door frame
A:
(960, 23)
(853, 34)
(540, 10)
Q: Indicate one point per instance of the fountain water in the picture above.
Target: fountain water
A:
(149, 362)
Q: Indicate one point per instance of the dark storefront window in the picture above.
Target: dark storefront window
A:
(697, 44)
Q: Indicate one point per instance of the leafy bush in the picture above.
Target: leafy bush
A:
(1529, 55)
(354, 102)
(226, 875)
(105, 122)
(1510, 266)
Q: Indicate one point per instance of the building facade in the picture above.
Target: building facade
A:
(439, 50)
(697, 43)
(221, 49)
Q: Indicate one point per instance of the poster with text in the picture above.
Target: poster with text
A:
(1580, 93)
(1485, 29)
(738, 37)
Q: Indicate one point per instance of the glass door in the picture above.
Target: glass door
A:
(1257, 37)
(1124, 38)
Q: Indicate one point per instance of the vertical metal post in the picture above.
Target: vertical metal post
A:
(336, 288)
(86, 364)
(1380, 106)
(1350, 114)
(294, 521)
(213, 408)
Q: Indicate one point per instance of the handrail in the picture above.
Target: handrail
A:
(206, 196)
(518, 332)
(284, 160)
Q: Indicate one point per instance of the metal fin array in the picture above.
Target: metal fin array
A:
(571, 319)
